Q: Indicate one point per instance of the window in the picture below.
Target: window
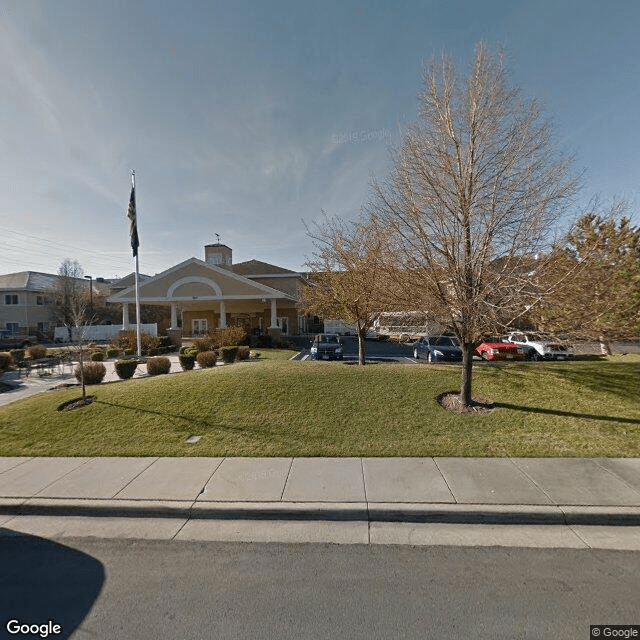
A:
(283, 324)
(42, 300)
(13, 327)
(11, 298)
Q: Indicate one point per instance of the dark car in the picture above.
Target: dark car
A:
(9, 340)
(326, 346)
(437, 349)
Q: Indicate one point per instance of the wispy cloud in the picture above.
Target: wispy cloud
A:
(28, 69)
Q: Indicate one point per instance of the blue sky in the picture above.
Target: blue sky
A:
(244, 118)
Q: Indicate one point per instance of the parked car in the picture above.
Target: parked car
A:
(437, 349)
(498, 349)
(326, 346)
(541, 347)
(9, 340)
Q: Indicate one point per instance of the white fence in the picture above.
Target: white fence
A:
(98, 332)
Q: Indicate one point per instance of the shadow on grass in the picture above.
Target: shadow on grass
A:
(261, 433)
(163, 414)
(620, 378)
(568, 414)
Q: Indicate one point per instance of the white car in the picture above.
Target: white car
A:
(539, 347)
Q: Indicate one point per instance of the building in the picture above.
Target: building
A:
(215, 293)
(27, 300)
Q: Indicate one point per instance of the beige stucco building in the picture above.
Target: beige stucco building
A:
(214, 293)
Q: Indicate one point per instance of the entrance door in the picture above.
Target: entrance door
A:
(198, 326)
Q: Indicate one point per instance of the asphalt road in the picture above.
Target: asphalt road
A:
(135, 589)
(375, 349)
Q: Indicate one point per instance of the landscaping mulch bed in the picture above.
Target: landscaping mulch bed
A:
(76, 403)
(450, 400)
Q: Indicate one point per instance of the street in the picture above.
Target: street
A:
(178, 590)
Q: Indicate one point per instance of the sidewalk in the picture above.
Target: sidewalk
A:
(25, 386)
(531, 502)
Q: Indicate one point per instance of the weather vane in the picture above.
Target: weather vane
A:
(218, 237)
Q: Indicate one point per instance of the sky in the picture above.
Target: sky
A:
(249, 118)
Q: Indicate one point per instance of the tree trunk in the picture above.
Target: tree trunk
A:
(362, 335)
(605, 346)
(84, 392)
(467, 365)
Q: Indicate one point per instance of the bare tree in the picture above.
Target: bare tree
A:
(347, 274)
(599, 299)
(69, 290)
(79, 322)
(72, 297)
(475, 189)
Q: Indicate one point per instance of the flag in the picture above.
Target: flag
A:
(131, 214)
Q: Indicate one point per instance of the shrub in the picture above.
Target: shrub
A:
(243, 352)
(262, 342)
(17, 355)
(206, 343)
(228, 354)
(230, 336)
(187, 358)
(188, 351)
(187, 362)
(126, 368)
(6, 361)
(128, 340)
(129, 352)
(227, 337)
(94, 373)
(158, 366)
(207, 359)
(154, 351)
(98, 356)
(164, 341)
(37, 351)
(112, 353)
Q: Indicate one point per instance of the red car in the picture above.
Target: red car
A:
(497, 349)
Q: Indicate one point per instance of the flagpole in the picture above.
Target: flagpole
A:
(138, 336)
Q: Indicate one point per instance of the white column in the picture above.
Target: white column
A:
(274, 315)
(125, 316)
(223, 315)
(174, 315)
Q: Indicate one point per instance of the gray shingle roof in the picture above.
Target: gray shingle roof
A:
(256, 267)
(27, 281)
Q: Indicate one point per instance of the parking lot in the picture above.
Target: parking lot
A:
(394, 352)
(376, 351)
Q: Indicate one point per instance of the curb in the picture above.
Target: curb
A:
(338, 512)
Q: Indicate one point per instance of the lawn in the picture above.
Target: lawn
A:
(276, 407)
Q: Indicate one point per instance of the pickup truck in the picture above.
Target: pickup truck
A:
(539, 347)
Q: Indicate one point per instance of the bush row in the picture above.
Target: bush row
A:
(95, 371)
(218, 338)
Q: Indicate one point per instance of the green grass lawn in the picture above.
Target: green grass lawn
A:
(280, 408)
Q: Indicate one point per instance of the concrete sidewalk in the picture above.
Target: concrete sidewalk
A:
(62, 375)
(542, 502)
